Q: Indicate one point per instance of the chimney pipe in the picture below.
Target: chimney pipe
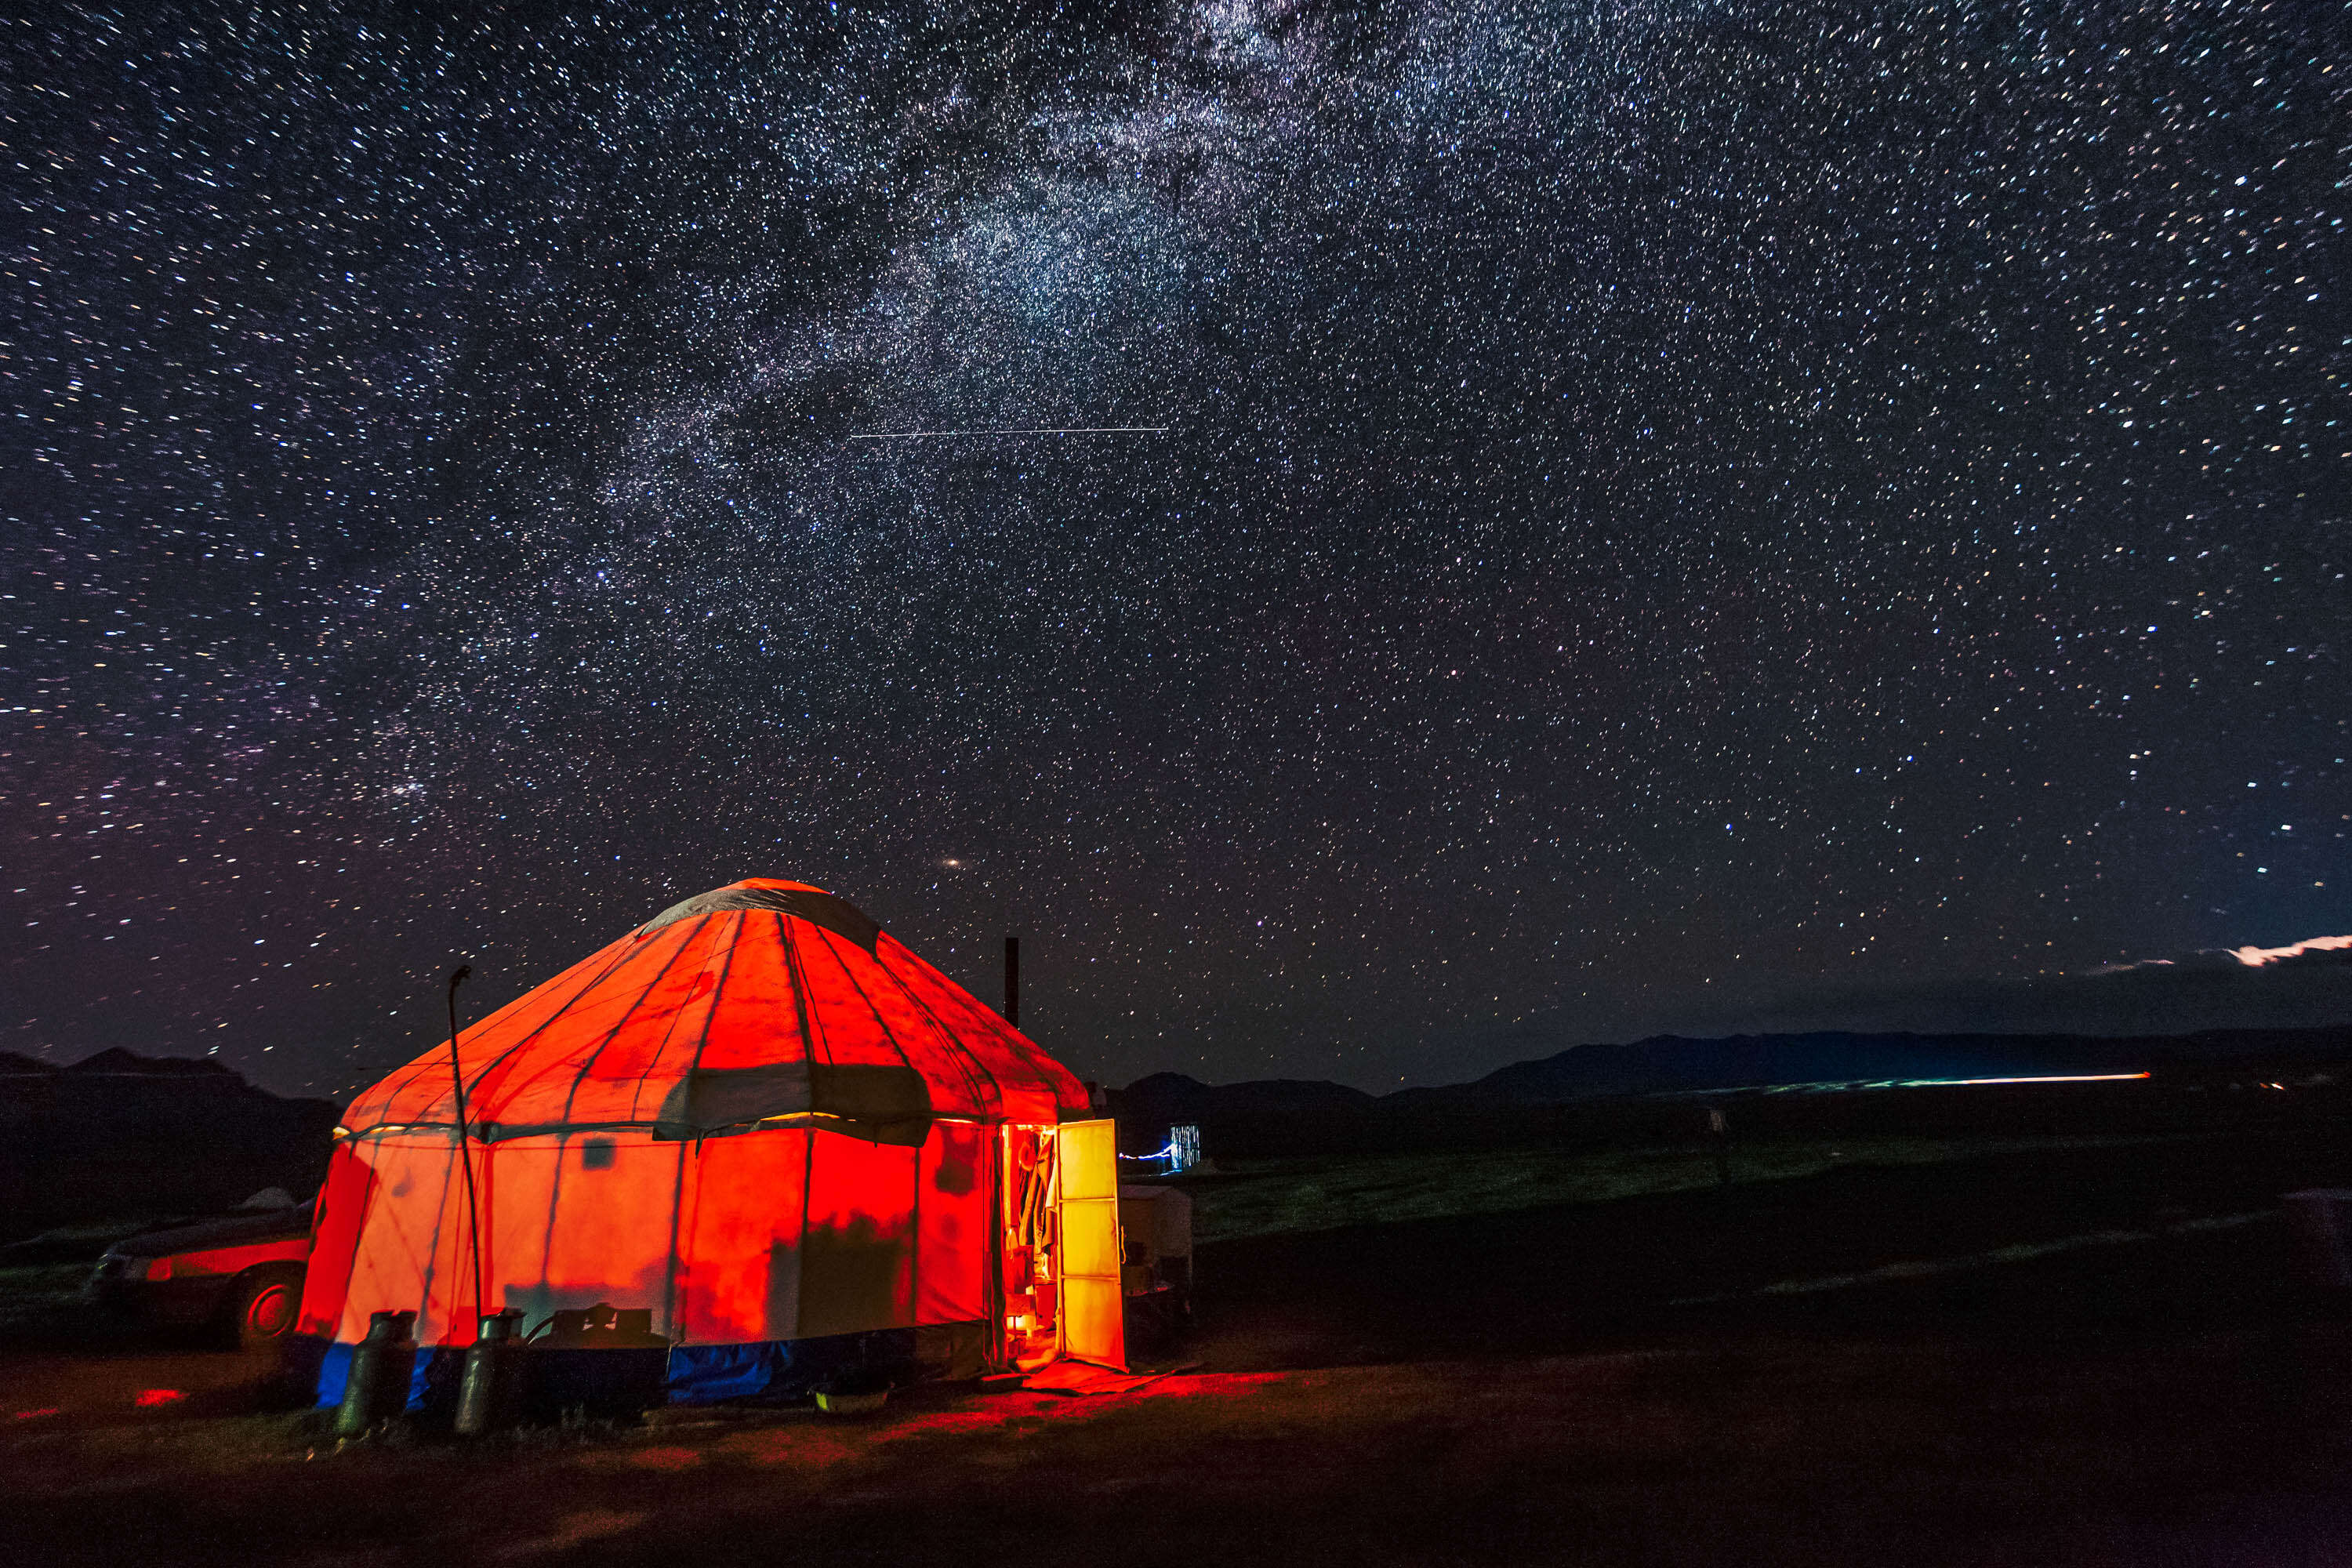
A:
(1013, 981)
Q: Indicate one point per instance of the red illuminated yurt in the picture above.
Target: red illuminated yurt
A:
(756, 1136)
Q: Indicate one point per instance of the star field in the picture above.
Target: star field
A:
(1664, 507)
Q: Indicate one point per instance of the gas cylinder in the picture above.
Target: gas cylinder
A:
(376, 1388)
(491, 1396)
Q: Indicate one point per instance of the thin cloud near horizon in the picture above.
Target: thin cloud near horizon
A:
(2248, 956)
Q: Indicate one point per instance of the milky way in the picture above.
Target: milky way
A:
(1656, 507)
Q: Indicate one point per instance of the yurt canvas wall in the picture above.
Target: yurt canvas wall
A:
(756, 1121)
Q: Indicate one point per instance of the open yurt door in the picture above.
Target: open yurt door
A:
(1093, 1325)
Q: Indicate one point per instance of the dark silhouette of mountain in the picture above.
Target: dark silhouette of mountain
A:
(1188, 1100)
(1666, 1064)
(120, 1063)
(120, 1136)
(1635, 1090)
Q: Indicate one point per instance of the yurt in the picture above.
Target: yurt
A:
(756, 1139)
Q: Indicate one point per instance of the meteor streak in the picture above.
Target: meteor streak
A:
(1085, 430)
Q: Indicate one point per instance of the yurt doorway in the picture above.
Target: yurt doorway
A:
(1060, 1249)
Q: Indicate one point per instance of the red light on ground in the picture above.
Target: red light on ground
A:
(149, 1398)
(35, 1415)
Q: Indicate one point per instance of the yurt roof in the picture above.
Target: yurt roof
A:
(763, 1003)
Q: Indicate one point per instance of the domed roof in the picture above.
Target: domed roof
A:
(763, 1003)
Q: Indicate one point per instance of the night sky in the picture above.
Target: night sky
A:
(1667, 515)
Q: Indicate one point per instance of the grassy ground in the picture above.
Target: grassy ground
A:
(1748, 1450)
(1718, 1440)
(1509, 1385)
(1274, 1196)
(38, 1294)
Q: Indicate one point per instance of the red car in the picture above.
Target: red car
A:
(240, 1275)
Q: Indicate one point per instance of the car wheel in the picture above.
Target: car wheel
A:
(264, 1307)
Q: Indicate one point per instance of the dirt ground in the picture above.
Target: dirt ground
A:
(2074, 1355)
